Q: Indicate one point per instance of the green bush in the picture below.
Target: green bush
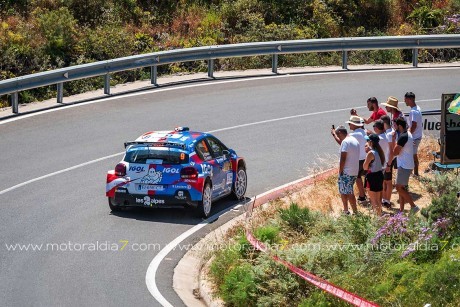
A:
(223, 262)
(238, 287)
(267, 234)
(299, 219)
(448, 207)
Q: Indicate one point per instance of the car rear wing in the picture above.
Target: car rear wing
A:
(158, 144)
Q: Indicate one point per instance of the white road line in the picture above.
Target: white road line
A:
(155, 263)
(59, 172)
(249, 78)
(120, 153)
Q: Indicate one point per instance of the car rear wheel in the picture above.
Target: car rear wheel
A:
(241, 183)
(113, 206)
(204, 206)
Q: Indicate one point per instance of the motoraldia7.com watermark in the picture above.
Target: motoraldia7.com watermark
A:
(131, 246)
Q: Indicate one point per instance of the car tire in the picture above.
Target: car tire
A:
(113, 206)
(204, 206)
(241, 183)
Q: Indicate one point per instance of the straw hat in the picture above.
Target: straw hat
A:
(355, 120)
(392, 102)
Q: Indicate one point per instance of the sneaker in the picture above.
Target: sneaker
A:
(386, 204)
(362, 198)
(414, 209)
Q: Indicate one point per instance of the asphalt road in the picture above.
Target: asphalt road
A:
(70, 209)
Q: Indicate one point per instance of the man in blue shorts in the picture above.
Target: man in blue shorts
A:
(348, 167)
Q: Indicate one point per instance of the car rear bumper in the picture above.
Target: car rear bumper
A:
(180, 199)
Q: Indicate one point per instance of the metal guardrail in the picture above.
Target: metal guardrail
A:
(210, 53)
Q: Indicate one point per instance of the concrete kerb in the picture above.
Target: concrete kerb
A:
(189, 279)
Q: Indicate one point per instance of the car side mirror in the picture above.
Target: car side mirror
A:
(226, 153)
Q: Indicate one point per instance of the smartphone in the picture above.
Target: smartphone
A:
(333, 127)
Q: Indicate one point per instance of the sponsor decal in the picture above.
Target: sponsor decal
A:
(152, 177)
(137, 169)
(206, 169)
(219, 186)
(121, 191)
(190, 180)
(148, 201)
(171, 171)
(181, 195)
(229, 178)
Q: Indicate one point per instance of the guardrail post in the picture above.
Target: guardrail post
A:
(415, 57)
(344, 59)
(275, 63)
(211, 68)
(60, 92)
(107, 84)
(153, 75)
(15, 102)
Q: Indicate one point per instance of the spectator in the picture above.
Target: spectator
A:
(415, 125)
(372, 105)
(356, 125)
(348, 167)
(392, 108)
(373, 165)
(404, 152)
(390, 162)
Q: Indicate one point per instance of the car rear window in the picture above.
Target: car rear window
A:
(155, 155)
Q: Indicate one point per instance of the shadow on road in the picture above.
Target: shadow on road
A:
(185, 216)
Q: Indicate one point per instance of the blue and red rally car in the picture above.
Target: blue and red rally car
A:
(176, 168)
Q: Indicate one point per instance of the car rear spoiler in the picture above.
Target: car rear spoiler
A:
(157, 144)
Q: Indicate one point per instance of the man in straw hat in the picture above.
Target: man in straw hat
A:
(392, 108)
(356, 125)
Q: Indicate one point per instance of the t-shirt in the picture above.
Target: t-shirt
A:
(359, 135)
(405, 158)
(377, 114)
(351, 146)
(385, 146)
(415, 115)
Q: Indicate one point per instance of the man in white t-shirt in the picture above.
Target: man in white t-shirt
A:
(404, 152)
(415, 125)
(356, 125)
(348, 167)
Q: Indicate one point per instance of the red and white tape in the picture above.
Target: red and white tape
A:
(311, 278)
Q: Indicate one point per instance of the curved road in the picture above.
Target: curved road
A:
(280, 124)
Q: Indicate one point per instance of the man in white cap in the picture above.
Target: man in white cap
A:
(356, 125)
(415, 125)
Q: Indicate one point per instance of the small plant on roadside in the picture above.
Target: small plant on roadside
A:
(299, 219)
(238, 287)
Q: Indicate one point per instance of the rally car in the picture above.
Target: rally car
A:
(176, 168)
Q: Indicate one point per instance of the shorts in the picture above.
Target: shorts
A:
(346, 183)
(416, 145)
(361, 168)
(389, 175)
(402, 177)
(374, 181)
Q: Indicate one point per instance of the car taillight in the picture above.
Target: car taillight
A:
(189, 173)
(120, 169)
